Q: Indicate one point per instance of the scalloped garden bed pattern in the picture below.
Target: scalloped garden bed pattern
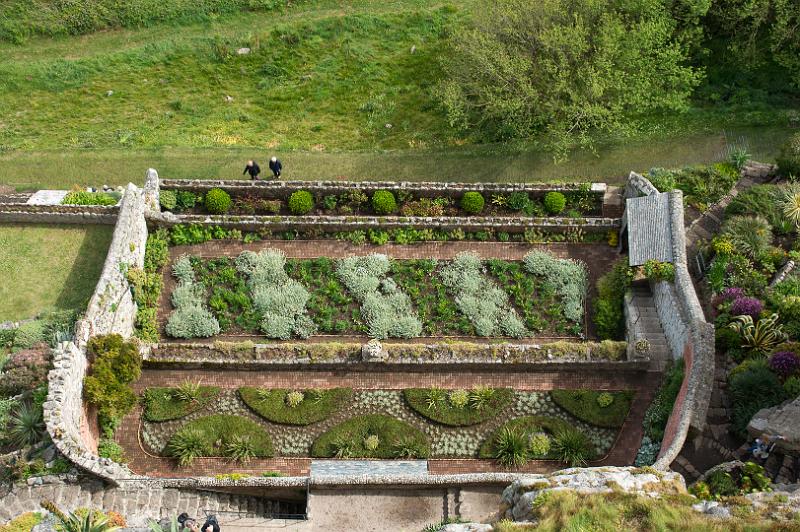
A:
(444, 441)
(335, 311)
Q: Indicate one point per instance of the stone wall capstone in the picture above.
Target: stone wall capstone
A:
(58, 214)
(111, 310)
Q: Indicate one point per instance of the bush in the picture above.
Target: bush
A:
(761, 200)
(317, 405)
(569, 278)
(190, 319)
(784, 363)
(185, 200)
(587, 405)
(659, 271)
(383, 202)
(748, 306)
(110, 449)
(82, 197)
(441, 410)
(480, 299)
(657, 415)
(664, 180)
(25, 370)
(348, 439)
(164, 404)
(609, 317)
(168, 199)
(751, 235)
(518, 201)
(116, 365)
(750, 391)
(301, 202)
(217, 201)
(472, 202)
(156, 253)
(791, 387)
(219, 435)
(554, 202)
(789, 158)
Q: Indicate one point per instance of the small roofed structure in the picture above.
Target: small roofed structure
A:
(648, 222)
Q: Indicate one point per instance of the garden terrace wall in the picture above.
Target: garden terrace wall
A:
(558, 355)
(516, 224)
(689, 335)
(111, 310)
(58, 214)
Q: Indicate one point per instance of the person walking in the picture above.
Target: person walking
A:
(253, 169)
(276, 167)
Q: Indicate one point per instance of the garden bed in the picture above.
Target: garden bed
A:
(356, 415)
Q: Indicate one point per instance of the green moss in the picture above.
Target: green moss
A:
(584, 405)
(163, 404)
(348, 439)
(219, 430)
(445, 413)
(315, 406)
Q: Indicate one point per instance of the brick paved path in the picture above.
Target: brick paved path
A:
(623, 453)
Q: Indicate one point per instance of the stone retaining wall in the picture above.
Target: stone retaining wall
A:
(111, 310)
(58, 214)
(688, 334)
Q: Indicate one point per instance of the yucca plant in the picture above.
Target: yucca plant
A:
(188, 392)
(480, 397)
(26, 426)
(241, 449)
(791, 204)
(511, 448)
(92, 521)
(186, 446)
(760, 337)
(572, 446)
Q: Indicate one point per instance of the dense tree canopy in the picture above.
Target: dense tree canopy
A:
(565, 67)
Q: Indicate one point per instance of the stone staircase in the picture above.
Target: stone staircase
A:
(643, 320)
(141, 503)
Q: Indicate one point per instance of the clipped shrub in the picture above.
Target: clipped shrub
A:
(301, 202)
(217, 201)
(472, 202)
(554, 202)
(603, 409)
(569, 278)
(789, 158)
(383, 202)
(168, 199)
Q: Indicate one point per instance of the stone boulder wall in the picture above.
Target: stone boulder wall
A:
(111, 310)
(517, 500)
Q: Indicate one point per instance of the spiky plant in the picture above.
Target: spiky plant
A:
(408, 448)
(342, 448)
(371, 442)
(315, 396)
(458, 398)
(92, 521)
(186, 446)
(760, 337)
(434, 397)
(173, 526)
(751, 235)
(241, 449)
(294, 398)
(572, 446)
(511, 448)
(791, 204)
(26, 426)
(480, 397)
(188, 392)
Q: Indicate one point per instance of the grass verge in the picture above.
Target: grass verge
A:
(588, 405)
(315, 405)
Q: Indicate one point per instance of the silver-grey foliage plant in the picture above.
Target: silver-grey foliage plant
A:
(190, 319)
(569, 278)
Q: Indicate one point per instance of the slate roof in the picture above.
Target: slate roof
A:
(649, 229)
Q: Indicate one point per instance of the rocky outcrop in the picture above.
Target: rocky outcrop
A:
(782, 420)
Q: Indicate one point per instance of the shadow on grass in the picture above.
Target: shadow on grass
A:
(80, 283)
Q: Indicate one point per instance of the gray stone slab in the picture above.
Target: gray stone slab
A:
(368, 467)
(47, 197)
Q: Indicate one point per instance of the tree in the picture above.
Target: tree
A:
(564, 68)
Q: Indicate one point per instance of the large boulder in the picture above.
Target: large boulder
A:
(781, 420)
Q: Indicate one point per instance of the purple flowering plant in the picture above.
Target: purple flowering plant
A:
(746, 306)
(784, 363)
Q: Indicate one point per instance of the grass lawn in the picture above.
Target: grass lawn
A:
(47, 266)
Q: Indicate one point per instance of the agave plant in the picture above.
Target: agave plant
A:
(26, 426)
(92, 521)
(791, 204)
(762, 336)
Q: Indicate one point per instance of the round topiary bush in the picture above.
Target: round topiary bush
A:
(554, 202)
(301, 202)
(217, 201)
(472, 202)
(383, 202)
(789, 158)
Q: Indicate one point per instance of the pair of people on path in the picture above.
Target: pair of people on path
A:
(253, 169)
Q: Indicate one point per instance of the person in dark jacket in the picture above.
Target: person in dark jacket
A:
(253, 169)
(276, 167)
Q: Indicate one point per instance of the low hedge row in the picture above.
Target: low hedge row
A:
(315, 405)
(438, 406)
(603, 409)
(372, 436)
(164, 404)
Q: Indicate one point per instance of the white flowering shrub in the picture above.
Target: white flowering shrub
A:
(480, 299)
(386, 309)
(190, 319)
(279, 299)
(569, 278)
